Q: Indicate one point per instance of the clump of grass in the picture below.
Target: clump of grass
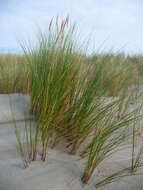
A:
(86, 103)
(74, 98)
(54, 69)
(89, 101)
(109, 134)
(136, 156)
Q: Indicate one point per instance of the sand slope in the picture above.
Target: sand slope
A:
(61, 171)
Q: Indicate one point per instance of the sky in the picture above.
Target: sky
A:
(110, 25)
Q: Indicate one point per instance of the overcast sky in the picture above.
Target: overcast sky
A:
(110, 24)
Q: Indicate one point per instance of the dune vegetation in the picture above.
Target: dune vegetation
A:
(83, 101)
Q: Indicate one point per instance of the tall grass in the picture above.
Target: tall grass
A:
(109, 134)
(120, 66)
(83, 101)
(12, 73)
(83, 112)
(136, 155)
(54, 71)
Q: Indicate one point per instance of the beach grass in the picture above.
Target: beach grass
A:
(83, 100)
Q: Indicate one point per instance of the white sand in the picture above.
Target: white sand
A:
(61, 171)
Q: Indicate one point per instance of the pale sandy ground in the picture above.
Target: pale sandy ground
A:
(61, 171)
